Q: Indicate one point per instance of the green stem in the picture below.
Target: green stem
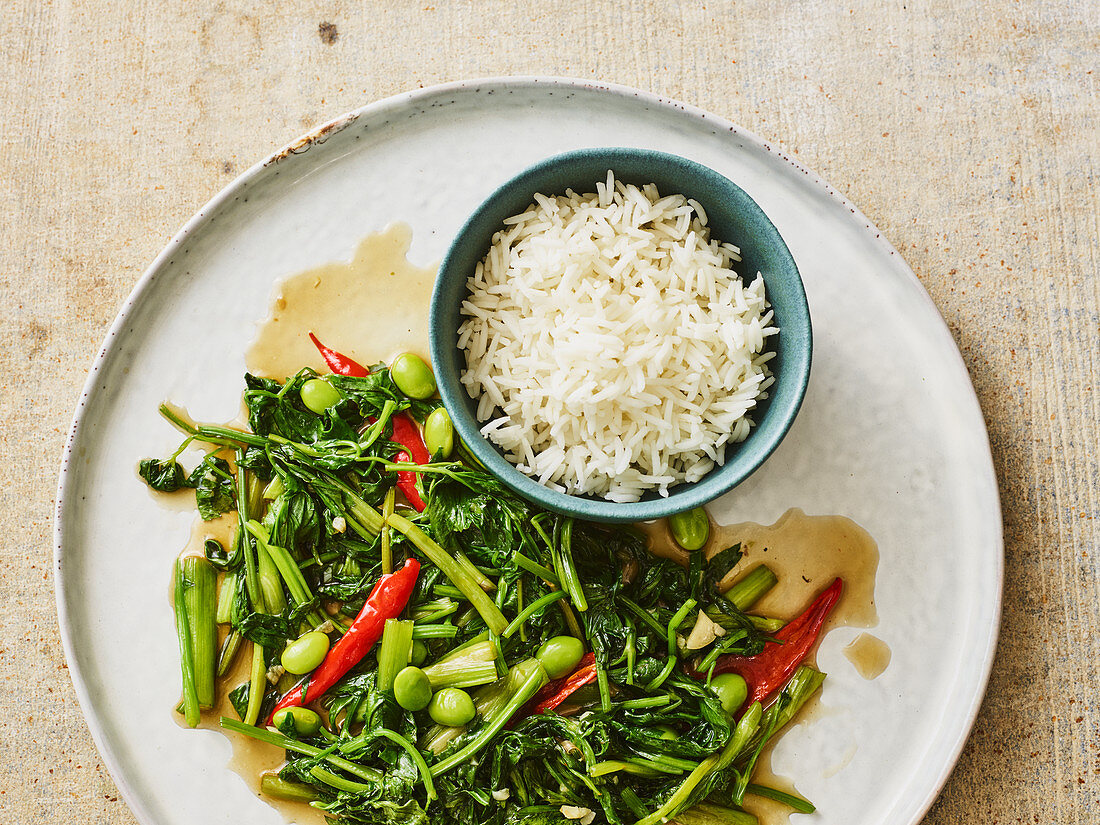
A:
(251, 572)
(434, 631)
(751, 587)
(634, 802)
(802, 806)
(533, 567)
(414, 755)
(221, 436)
(257, 685)
(666, 671)
(803, 684)
(226, 596)
(604, 686)
(438, 609)
(271, 785)
(526, 690)
(474, 666)
(271, 584)
(674, 624)
(371, 434)
(199, 604)
(616, 765)
(470, 588)
(283, 563)
(766, 624)
(448, 590)
(534, 607)
(706, 813)
(653, 765)
(642, 614)
(394, 652)
(647, 702)
(229, 652)
(483, 581)
(567, 569)
(362, 512)
(288, 571)
(286, 743)
(681, 797)
(334, 780)
(387, 511)
(187, 663)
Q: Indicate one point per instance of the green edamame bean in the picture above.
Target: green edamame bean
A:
(419, 653)
(691, 528)
(560, 655)
(411, 689)
(305, 653)
(452, 707)
(305, 721)
(318, 394)
(439, 433)
(412, 376)
(731, 689)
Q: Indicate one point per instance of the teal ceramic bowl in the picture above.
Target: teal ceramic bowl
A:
(733, 216)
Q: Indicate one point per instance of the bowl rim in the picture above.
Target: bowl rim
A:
(781, 411)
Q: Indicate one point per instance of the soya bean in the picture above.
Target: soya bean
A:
(306, 722)
(318, 394)
(305, 653)
(452, 707)
(560, 655)
(731, 689)
(411, 689)
(412, 376)
(439, 434)
(691, 528)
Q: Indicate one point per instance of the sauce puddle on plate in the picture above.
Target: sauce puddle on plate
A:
(371, 309)
(869, 654)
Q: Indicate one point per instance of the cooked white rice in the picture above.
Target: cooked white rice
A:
(610, 345)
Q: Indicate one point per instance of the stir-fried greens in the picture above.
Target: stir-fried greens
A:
(591, 666)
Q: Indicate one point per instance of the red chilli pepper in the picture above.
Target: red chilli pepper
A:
(770, 669)
(338, 362)
(554, 693)
(406, 434)
(386, 601)
(405, 431)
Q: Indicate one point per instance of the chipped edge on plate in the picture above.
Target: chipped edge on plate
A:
(319, 136)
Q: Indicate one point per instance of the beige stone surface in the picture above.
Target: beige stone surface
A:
(967, 131)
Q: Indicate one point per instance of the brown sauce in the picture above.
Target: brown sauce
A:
(805, 552)
(869, 654)
(371, 309)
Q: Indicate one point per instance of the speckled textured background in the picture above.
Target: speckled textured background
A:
(968, 132)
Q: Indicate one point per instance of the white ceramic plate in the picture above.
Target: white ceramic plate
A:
(890, 433)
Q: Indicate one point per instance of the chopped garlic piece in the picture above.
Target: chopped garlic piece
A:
(501, 795)
(339, 524)
(275, 673)
(583, 815)
(704, 632)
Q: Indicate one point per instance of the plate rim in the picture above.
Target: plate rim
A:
(397, 101)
